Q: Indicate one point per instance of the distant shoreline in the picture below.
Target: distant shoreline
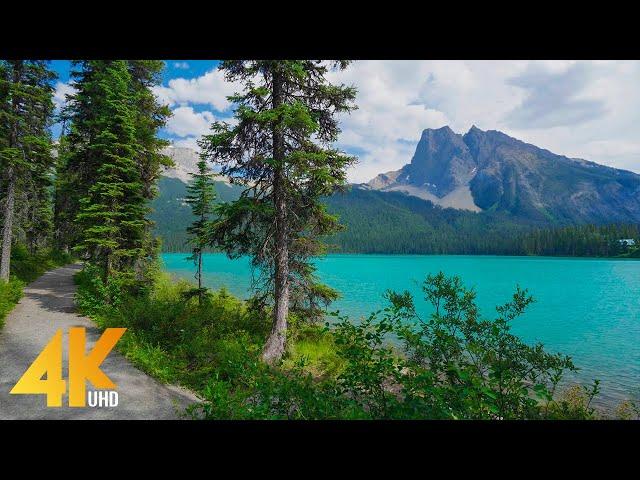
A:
(449, 255)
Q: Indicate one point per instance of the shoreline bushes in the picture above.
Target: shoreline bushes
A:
(452, 365)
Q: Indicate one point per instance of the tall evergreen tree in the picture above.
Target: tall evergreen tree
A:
(112, 212)
(65, 200)
(280, 150)
(78, 163)
(150, 116)
(38, 217)
(201, 196)
(26, 109)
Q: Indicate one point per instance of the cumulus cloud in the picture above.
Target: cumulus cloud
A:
(61, 91)
(575, 108)
(209, 89)
(186, 122)
(553, 97)
(397, 100)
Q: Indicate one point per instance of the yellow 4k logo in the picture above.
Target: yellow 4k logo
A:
(81, 368)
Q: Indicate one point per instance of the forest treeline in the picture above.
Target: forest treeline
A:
(394, 223)
(27, 177)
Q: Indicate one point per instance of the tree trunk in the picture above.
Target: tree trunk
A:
(7, 229)
(108, 267)
(276, 343)
(5, 262)
(200, 276)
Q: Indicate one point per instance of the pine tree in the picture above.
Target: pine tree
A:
(280, 150)
(150, 116)
(65, 197)
(201, 196)
(112, 211)
(78, 163)
(26, 109)
(38, 219)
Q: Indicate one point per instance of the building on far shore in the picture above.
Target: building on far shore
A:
(627, 242)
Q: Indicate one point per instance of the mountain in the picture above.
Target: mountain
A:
(169, 211)
(489, 171)
(483, 192)
(185, 162)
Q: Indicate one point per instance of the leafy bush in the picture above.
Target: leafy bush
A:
(193, 339)
(454, 365)
(393, 364)
(10, 294)
(574, 403)
(28, 267)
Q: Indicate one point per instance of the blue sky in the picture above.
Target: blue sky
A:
(174, 68)
(584, 109)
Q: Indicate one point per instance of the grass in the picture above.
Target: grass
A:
(213, 349)
(10, 294)
(316, 348)
(175, 340)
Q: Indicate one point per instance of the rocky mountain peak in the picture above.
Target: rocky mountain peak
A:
(489, 170)
(185, 161)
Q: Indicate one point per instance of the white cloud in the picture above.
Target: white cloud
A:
(397, 100)
(61, 90)
(209, 89)
(186, 122)
(554, 97)
(579, 109)
(181, 65)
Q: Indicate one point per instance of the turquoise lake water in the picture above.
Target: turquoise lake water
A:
(586, 308)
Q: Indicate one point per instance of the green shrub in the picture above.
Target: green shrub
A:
(454, 365)
(194, 339)
(10, 294)
(394, 364)
(28, 267)
(574, 403)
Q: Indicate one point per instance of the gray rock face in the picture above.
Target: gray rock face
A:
(442, 162)
(440, 171)
(488, 170)
(185, 162)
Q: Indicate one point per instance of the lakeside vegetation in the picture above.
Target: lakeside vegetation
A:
(453, 365)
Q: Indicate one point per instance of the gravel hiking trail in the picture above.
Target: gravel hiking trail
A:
(47, 306)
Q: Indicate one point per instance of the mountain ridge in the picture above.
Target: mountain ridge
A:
(491, 171)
